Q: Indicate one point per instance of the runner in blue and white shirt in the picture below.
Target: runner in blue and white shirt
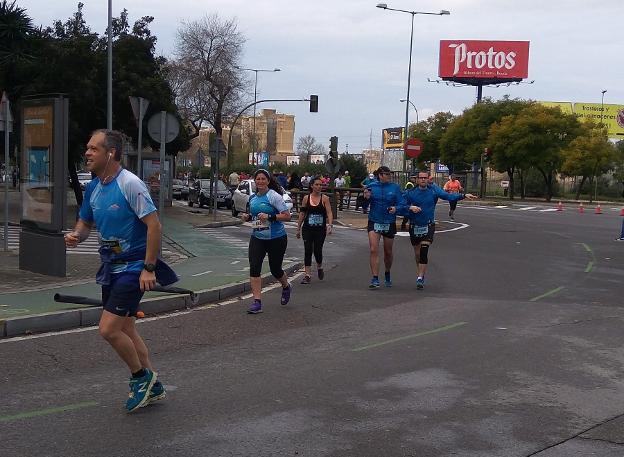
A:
(267, 212)
(119, 205)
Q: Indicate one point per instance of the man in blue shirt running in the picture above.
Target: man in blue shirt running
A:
(383, 196)
(419, 205)
(118, 203)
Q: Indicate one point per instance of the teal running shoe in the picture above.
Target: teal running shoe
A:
(156, 393)
(139, 390)
(374, 284)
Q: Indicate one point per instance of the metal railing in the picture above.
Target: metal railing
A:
(341, 198)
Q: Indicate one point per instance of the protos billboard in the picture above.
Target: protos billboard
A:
(489, 60)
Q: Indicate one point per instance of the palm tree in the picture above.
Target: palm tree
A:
(15, 30)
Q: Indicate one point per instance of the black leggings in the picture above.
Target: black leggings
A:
(313, 242)
(453, 205)
(275, 248)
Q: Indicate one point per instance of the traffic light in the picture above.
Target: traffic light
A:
(333, 145)
(487, 154)
(314, 103)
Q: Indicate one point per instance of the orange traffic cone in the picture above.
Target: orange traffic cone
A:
(598, 209)
(622, 212)
(140, 314)
(560, 206)
(581, 208)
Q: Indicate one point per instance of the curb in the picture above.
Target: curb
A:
(85, 317)
(221, 224)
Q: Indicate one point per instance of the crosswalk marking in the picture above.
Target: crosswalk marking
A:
(89, 246)
(216, 233)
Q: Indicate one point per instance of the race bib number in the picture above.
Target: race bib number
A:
(258, 224)
(421, 230)
(381, 228)
(315, 220)
(113, 245)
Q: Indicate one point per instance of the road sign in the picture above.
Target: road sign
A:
(217, 146)
(171, 130)
(139, 106)
(413, 148)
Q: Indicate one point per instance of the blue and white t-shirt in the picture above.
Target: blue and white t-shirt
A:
(116, 208)
(269, 203)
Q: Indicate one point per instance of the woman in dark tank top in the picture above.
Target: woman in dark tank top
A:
(314, 223)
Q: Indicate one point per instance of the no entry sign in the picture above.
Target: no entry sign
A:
(413, 148)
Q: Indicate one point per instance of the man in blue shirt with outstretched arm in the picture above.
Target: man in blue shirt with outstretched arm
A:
(419, 205)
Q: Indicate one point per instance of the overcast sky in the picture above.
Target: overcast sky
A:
(355, 56)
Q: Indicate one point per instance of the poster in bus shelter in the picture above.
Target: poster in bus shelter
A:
(38, 182)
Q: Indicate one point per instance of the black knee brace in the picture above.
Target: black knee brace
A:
(424, 249)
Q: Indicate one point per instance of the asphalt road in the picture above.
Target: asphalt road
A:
(514, 348)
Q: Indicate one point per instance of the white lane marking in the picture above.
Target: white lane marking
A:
(149, 319)
(202, 273)
(235, 262)
(461, 226)
(548, 210)
(527, 208)
(501, 206)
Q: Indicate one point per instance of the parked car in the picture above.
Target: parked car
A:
(185, 188)
(84, 178)
(200, 193)
(240, 199)
(176, 188)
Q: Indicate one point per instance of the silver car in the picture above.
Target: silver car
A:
(84, 178)
(240, 199)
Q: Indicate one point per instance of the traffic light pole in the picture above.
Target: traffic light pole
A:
(229, 145)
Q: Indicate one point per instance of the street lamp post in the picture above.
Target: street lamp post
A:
(413, 106)
(409, 69)
(255, 70)
(109, 73)
(602, 126)
(602, 108)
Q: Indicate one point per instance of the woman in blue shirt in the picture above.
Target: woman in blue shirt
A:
(267, 211)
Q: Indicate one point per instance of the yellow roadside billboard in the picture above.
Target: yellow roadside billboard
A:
(612, 116)
(566, 107)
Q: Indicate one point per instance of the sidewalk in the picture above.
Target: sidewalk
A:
(206, 264)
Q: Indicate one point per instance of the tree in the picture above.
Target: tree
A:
(510, 150)
(69, 58)
(466, 137)
(16, 30)
(618, 172)
(356, 168)
(307, 146)
(205, 77)
(430, 131)
(534, 137)
(589, 155)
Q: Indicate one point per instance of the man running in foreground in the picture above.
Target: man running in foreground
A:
(118, 203)
(383, 196)
(419, 204)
